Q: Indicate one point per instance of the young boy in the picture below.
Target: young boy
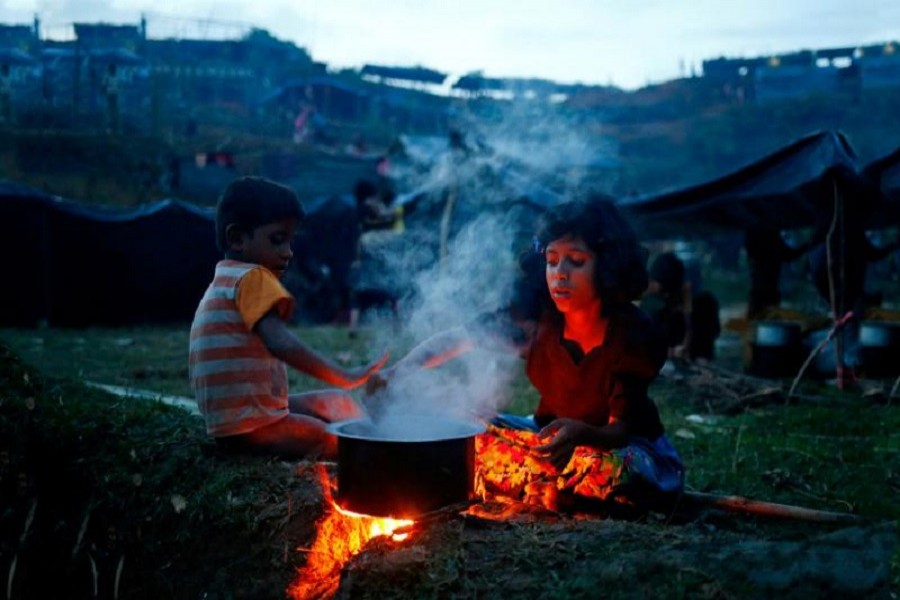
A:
(240, 341)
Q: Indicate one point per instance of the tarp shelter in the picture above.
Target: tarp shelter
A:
(885, 174)
(70, 264)
(798, 186)
(791, 188)
(73, 265)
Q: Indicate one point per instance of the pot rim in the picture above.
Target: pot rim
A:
(467, 429)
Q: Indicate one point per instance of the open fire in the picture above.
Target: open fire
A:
(340, 535)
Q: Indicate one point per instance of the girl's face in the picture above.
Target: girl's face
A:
(570, 274)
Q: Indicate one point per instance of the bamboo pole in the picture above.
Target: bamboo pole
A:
(768, 509)
(839, 316)
(446, 218)
(837, 308)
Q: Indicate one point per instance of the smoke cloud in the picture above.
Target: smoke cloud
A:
(472, 213)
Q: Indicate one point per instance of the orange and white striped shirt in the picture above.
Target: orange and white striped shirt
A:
(239, 385)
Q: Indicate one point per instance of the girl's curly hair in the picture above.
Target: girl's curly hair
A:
(621, 265)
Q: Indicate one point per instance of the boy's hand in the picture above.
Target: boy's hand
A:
(362, 375)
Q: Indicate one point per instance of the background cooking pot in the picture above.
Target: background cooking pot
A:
(404, 466)
(879, 348)
(776, 350)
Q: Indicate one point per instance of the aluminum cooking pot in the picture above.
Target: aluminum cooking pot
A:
(402, 467)
(777, 333)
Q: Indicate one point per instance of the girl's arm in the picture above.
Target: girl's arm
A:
(286, 346)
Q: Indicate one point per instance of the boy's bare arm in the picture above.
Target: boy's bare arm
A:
(286, 346)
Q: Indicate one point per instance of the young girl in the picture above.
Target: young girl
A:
(591, 354)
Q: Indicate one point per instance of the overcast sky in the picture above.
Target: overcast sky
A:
(628, 43)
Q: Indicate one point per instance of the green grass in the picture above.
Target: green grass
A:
(140, 480)
(842, 454)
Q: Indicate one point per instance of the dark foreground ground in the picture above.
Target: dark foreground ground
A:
(109, 497)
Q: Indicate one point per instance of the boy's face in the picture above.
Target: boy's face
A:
(268, 245)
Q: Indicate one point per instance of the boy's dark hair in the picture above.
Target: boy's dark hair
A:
(621, 267)
(249, 202)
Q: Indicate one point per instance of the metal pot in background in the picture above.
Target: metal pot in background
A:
(772, 334)
(402, 467)
(777, 349)
(879, 348)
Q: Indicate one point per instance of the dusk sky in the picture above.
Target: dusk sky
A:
(619, 42)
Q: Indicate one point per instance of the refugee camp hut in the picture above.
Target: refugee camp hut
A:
(789, 189)
(18, 82)
(410, 76)
(885, 174)
(812, 183)
(80, 265)
(60, 75)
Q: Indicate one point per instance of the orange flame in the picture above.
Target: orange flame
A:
(340, 535)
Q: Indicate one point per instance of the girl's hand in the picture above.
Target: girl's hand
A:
(565, 435)
(362, 375)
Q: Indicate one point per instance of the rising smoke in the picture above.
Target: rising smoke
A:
(477, 208)
(474, 280)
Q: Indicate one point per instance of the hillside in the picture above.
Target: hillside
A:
(671, 135)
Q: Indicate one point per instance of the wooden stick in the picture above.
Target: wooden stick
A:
(894, 389)
(838, 325)
(768, 509)
(435, 516)
(837, 308)
(446, 221)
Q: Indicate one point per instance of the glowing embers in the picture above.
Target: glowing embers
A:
(379, 526)
(340, 535)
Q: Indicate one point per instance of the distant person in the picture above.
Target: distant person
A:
(240, 341)
(303, 129)
(173, 176)
(374, 216)
(841, 236)
(767, 253)
(687, 315)
(667, 300)
(848, 276)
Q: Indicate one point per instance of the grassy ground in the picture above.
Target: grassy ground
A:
(110, 497)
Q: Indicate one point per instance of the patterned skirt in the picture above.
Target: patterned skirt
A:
(643, 474)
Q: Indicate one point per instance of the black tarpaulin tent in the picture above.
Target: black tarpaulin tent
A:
(73, 265)
(885, 174)
(815, 182)
(70, 264)
(791, 188)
